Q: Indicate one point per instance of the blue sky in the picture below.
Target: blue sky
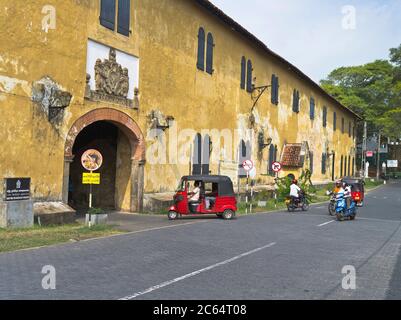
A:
(310, 33)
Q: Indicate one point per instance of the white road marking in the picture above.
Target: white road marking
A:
(195, 273)
(326, 223)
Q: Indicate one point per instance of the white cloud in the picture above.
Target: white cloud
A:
(310, 34)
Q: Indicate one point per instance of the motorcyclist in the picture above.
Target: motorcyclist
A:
(347, 194)
(337, 186)
(295, 191)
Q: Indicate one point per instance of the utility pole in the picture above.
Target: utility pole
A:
(364, 148)
(378, 155)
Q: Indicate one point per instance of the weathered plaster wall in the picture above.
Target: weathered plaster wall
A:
(171, 82)
(164, 37)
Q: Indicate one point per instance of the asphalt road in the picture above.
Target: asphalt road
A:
(264, 256)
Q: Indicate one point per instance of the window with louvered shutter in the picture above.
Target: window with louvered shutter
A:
(209, 54)
(197, 155)
(243, 72)
(324, 117)
(312, 109)
(201, 49)
(275, 88)
(271, 160)
(273, 97)
(295, 104)
(334, 121)
(108, 13)
(324, 158)
(276, 95)
(249, 76)
(124, 14)
(206, 155)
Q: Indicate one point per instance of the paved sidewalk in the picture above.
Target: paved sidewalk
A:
(131, 222)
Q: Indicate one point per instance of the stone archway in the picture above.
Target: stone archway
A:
(136, 140)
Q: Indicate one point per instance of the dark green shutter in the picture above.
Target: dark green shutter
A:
(209, 54)
(206, 155)
(294, 102)
(249, 76)
(243, 72)
(295, 105)
(124, 11)
(201, 49)
(312, 108)
(323, 163)
(275, 85)
(271, 159)
(108, 13)
(197, 155)
(273, 97)
(276, 95)
(335, 121)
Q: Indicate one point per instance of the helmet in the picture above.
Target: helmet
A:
(339, 183)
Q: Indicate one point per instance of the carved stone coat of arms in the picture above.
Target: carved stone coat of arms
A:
(110, 77)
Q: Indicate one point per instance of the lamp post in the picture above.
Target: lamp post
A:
(378, 156)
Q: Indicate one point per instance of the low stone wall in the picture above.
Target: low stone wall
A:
(157, 202)
(53, 213)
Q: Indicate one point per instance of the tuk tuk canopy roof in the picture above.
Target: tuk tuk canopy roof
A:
(225, 185)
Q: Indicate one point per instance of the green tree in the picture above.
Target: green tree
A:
(372, 90)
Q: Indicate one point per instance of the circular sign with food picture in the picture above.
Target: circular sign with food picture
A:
(92, 160)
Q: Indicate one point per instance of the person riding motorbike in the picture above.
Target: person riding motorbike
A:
(347, 194)
(337, 186)
(295, 191)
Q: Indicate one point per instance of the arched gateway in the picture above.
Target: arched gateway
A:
(121, 138)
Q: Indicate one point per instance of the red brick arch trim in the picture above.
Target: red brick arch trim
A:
(124, 122)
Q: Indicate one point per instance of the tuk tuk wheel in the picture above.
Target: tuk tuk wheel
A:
(228, 215)
(172, 215)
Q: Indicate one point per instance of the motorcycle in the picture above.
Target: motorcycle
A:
(332, 203)
(300, 203)
(342, 212)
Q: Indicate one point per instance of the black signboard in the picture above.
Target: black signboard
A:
(17, 189)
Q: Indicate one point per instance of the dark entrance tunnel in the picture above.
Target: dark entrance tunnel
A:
(114, 181)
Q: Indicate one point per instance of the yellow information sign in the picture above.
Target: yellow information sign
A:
(90, 178)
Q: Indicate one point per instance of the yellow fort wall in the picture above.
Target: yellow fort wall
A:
(164, 38)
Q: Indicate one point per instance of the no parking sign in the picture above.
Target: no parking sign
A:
(276, 167)
(248, 165)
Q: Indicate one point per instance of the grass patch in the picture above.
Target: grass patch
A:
(369, 184)
(16, 239)
(256, 208)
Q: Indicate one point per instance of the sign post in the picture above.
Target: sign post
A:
(248, 166)
(276, 166)
(91, 160)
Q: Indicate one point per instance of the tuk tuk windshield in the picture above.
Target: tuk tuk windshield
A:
(181, 186)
